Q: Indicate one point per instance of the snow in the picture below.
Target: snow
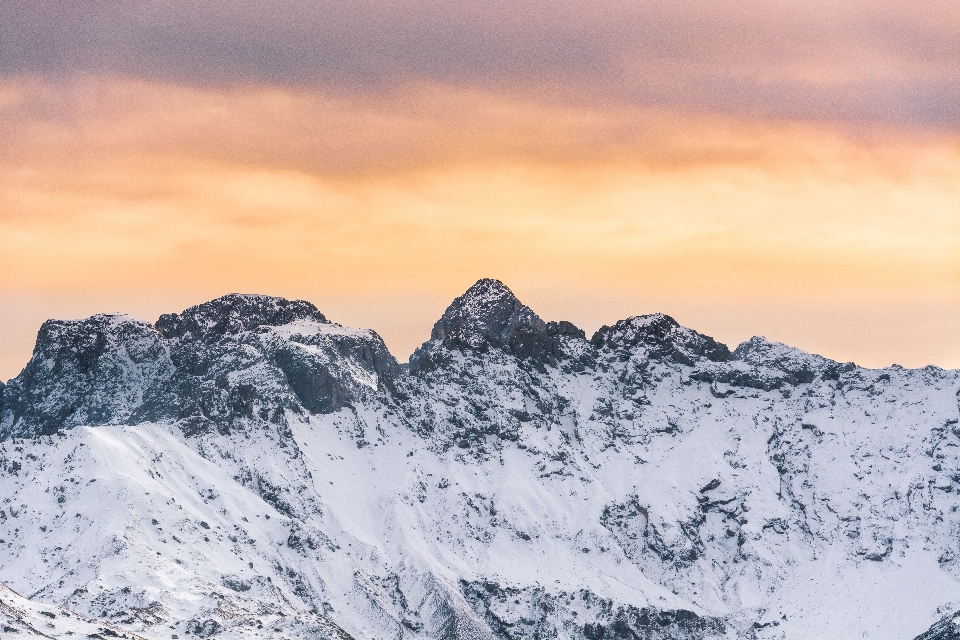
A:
(489, 494)
(313, 328)
(19, 615)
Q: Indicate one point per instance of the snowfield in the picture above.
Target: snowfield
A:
(248, 469)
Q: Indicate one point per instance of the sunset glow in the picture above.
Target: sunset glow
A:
(809, 192)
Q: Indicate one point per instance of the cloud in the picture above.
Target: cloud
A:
(783, 168)
(852, 62)
(118, 184)
(347, 135)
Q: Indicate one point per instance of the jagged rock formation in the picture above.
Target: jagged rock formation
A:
(945, 629)
(660, 337)
(92, 371)
(488, 316)
(235, 360)
(248, 465)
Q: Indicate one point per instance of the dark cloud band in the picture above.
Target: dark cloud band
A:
(879, 61)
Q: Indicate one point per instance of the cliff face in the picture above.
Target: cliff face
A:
(83, 372)
(248, 466)
(237, 360)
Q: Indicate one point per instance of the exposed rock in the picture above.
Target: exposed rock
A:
(488, 313)
(948, 628)
(661, 337)
(218, 365)
(581, 615)
(24, 618)
(800, 365)
(488, 316)
(204, 628)
(235, 314)
(93, 371)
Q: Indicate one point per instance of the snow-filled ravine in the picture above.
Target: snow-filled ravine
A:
(249, 469)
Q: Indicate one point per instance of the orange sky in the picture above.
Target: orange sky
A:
(145, 189)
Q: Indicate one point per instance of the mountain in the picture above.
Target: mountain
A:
(249, 469)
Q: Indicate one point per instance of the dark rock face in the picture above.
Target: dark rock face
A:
(948, 628)
(761, 364)
(205, 628)
(488, 315)
(663, 337)
(220, 365)
(803, 367)
(252, 358)
(582, 615)
(323, 389)
(92, 371)
(234, 314)
(487, 329)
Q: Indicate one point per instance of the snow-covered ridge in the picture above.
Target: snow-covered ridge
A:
(20, 616)
(251, 469)
(205, 368)
(234, 314)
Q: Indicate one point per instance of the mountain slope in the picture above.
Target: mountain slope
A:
(20, 617)
(249, 466)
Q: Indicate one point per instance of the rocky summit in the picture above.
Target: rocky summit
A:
(249, 469)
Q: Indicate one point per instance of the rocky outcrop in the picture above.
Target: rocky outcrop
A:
(233, 315)
(948, 628)
(221, 365)
(23, 618)
(93, 371)
(489, 316)
(251, 359)
(761, 364)
(487, 313)
(660, 336)
(581, 615)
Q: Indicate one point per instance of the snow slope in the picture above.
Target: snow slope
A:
(20, 617)
(249, 469)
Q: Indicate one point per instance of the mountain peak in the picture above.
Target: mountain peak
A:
(798, 364)
(487, 291)
(235, 313)
(487, 311)
(662, 336)
(89, 371)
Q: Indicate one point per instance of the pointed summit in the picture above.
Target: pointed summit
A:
(489, 315)
(487, 312)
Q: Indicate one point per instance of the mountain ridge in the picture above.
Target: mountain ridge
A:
(513, 480)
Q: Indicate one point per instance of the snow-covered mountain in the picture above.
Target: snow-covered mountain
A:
(248, 469)
(19, 615)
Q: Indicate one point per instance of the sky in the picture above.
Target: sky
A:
(786, 169)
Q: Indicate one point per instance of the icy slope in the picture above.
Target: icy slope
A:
(265, 473)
